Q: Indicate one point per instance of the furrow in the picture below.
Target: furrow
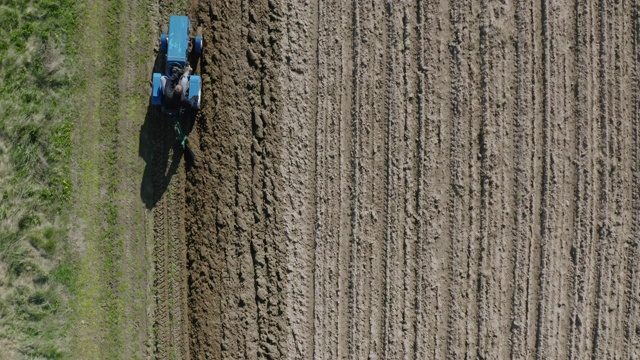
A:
(456, 327)
(392, 217)
(348, 28)
(604, 233)
(329, 211)
(375, 112)
(496, 78)
(547, 195)
(524, 178)
(582, 252)
(487, 182)
(558, 183)
(492, 247)
(371, 109)
(562, 25)
(354, 350)
(437, 236)
(537, 141)
(324, 305)
(601, 199)
(421, 321)
(504, 105)
(464, 189)
(410, 133)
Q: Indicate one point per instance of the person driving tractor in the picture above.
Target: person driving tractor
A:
(175, 88)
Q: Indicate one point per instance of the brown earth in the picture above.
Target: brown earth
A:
(417, 179)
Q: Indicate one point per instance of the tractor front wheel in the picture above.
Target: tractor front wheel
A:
(164, 38)
(198, 40)
(164, 42)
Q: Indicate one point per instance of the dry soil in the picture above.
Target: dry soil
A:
(412, 180)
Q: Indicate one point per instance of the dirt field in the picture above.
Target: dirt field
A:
(406, 179)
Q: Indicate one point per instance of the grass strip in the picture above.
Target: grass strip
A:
(37, 118)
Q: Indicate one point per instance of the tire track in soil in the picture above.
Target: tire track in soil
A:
(523, 200)
(621, 71)
(411, 132)
(464, 191)
(354, 272)
(495, 252)
(563, 177)
(615, 193)
(433, 239)
(163, 337)
(603, 308)
(334, 167)
(548, 196)
(371, 119)
(557, 184)
(583, 251)
(169, 254)
(176, 269)
(402, 131)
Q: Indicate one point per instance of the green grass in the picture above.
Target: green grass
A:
(36, 112)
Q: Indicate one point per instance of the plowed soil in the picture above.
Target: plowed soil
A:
(411, 179)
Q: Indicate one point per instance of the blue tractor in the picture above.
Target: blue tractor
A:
(174, 43)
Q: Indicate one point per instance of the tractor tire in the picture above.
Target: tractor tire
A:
(198, 44)
(164, 38)
(198, 40)
(164, 42)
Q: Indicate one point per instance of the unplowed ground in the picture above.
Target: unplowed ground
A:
(410, 179)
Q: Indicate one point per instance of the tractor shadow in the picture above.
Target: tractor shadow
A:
(155, 148)
(159, 148)
(162, 153)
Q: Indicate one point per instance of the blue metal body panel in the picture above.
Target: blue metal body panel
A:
(176, 44)
(194, 88)
(178, 40)
(156, 92)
